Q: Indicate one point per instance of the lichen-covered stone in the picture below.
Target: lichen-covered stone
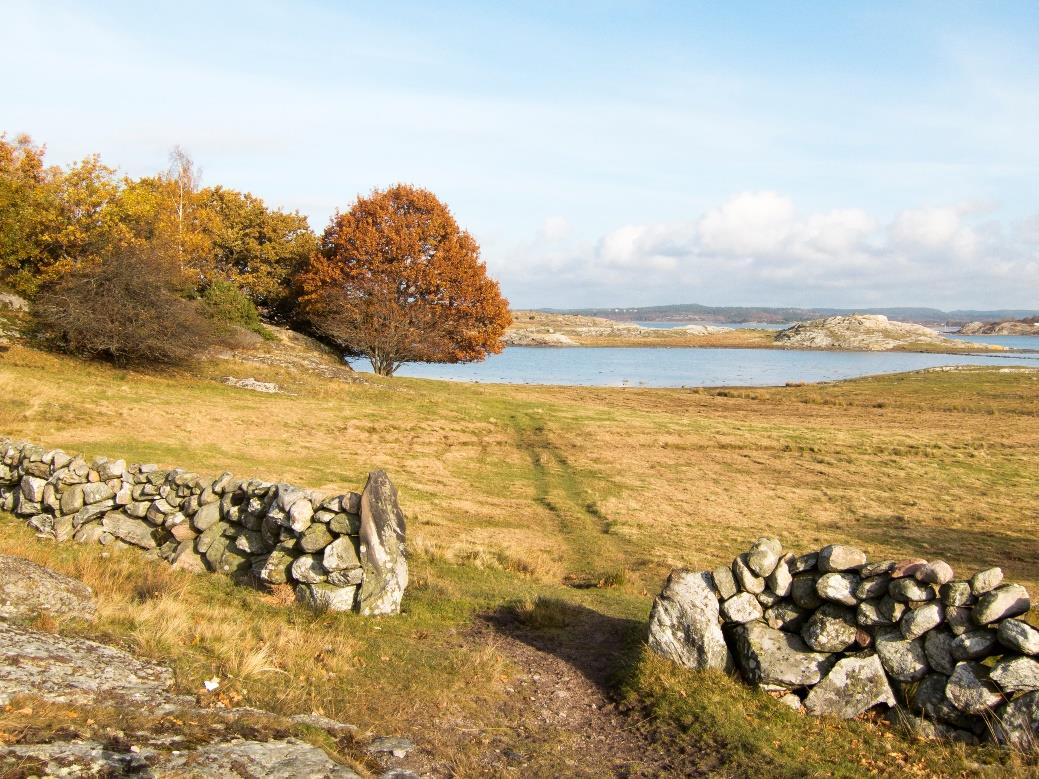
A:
(129, 529)
(956, 594)
(971, 690)
(326, 597)
(382, 548)
(803, 592)
(684, 623)
(853, 685)
(986, 581)
(831, 628)
(916, 622)
(839, 557)
(974, 644)
(904, 590)
(1016, 673)
(28, 589)
(742, 607)
(904, 659)
(838, 588)
(780, 579)
(1017, 723)
(724, 582)
(763, 556)
(745, 577)
(938, 648)
(1010, 600)
(1019, 636)
(775, 658)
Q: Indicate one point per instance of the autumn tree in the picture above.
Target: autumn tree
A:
(255, 248)
(51, 218)
(395, 280)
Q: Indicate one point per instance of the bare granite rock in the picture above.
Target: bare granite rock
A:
(684, 624)
(27, 589)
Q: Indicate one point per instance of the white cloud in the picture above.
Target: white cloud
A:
(757, 248)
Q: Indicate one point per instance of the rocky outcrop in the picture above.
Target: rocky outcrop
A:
(535, 338)
(1009, 327)
(838, 635)
(28, 589)
(863, 332)
(340, 552)
(117, 687)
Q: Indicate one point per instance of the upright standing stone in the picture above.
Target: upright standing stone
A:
(684, 623)
(382, 547)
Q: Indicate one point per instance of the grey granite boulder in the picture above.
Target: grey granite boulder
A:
(780, 579)
(853, 685)
(904, 659)
(974, 644)
(745, 577)
(764, 555)
(382, 547)
(956, 594)
(28, 589)
(831, 628)
(838, 557)
(323, 596)
(128, 529)
(838, 588)
(684, 624)
(741, 608)
(971, 690)
(1010, 600)
(916, 622)
(904, 590)
(986, 581)
(938, 648)
(724, 581)
(1019, 636)
(774, 658)
(930, 700)
(1017, 723)
(1016, 673)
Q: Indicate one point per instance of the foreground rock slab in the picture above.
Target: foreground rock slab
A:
(382, 547)
(27, 589)
(284, 759)
(74, 670)
(854, 685)
(684, 623)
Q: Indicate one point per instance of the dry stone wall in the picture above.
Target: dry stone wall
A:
(340, 552)
(835, 634)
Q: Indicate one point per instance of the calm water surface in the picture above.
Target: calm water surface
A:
(677, 367)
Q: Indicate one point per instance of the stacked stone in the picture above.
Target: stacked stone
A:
(836, 634)
(276, 532)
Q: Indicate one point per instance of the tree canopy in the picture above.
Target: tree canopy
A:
(396, 280)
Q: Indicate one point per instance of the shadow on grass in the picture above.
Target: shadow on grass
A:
(984, 544)
(604, 649)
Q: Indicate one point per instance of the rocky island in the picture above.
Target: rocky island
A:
(870, 333)
(1028, 326)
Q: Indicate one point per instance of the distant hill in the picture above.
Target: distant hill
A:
(695, 312)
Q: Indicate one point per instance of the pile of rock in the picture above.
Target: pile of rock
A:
(838, 635)
(341, 552)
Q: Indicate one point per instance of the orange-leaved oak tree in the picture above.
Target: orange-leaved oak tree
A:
(396, 280)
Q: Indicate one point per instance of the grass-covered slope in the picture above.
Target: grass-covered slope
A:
(542, 521)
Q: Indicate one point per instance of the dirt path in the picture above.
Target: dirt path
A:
(563, 718)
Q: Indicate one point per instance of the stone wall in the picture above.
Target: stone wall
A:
(340, 552)
(834, 634)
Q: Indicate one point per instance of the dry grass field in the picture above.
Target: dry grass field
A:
(548, 516)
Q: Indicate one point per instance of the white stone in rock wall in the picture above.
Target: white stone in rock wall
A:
(32, 488)
(764, 555)
(985, 581)
(72, 499)
(831, 628)
(206, 516)
(341, 554)
(853, 686)
(1010, 600)
(904, 590)
(971, 690)
(838, 557)
(1019, 636)
(745, 577)
(96, 492)
(132, 531)
(308, 569)
(780, 579)
(935, 572)
(743, 607)
(838, 588)
(1015, 674)
(903, 659)
(684, 623)
(916, 622)
(327, 597)
(301, 515)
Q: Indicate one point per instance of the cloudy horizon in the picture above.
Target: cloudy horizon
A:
(618, 154)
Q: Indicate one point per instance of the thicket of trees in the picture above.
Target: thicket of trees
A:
(393, 279)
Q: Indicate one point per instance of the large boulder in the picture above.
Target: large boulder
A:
(904, 659)
(27, 589)
(854, 685)
(774, 658)
(382, 547)
(684, 625)
(971, 690)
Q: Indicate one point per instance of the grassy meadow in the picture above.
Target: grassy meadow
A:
(558, 511)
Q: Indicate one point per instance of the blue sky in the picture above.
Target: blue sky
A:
(611, 153)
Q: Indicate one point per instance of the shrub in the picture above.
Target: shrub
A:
(226, 304)
(127, 308)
